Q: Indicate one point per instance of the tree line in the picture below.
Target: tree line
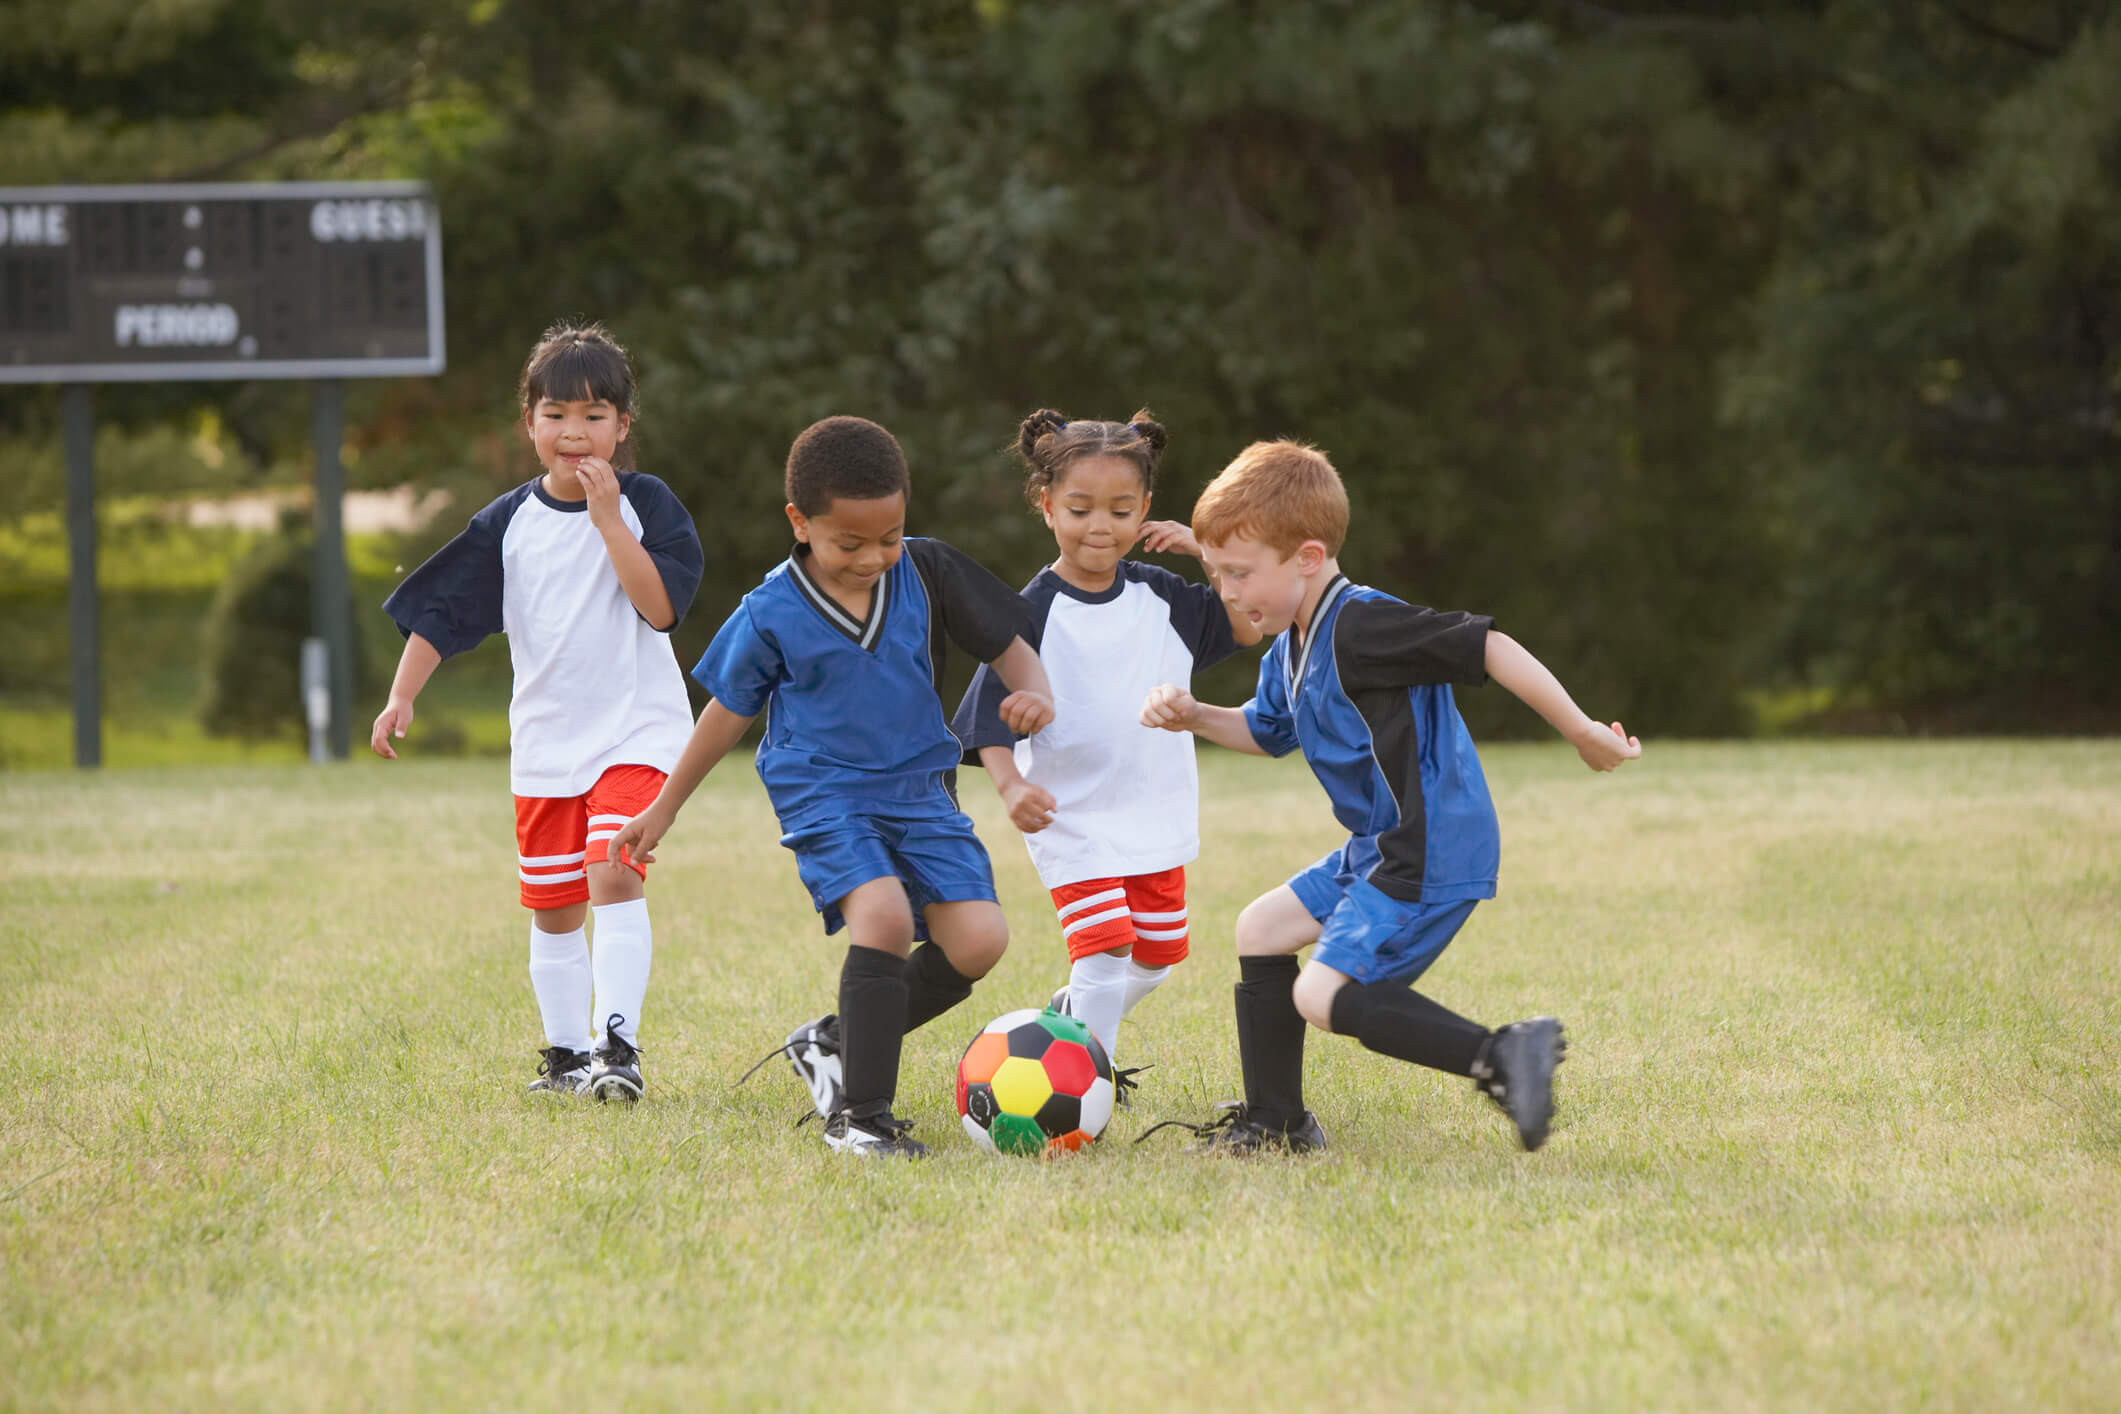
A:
(1715, 353)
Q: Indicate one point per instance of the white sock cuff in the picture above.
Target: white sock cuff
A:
(632, 913)
(1152, 975)
(557, 947)
(1100, 967)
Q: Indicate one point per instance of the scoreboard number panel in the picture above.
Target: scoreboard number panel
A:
(219, 281)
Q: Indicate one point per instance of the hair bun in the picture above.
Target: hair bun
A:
(1041, 423)
(1150, 429)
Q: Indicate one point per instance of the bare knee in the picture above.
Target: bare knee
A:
(878, 916)
(1273, 924)
(973, 935)
(1316, 987)
(614, 883)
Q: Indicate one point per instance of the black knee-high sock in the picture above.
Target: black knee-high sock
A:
(872, 1019)
(933, 986)
(1394, 1021)
(1270, 1040)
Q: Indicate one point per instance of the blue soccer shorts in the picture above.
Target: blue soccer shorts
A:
(1368, 935)
(938, 859)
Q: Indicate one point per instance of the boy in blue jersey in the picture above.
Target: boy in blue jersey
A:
(841, 646)
(1360, 683)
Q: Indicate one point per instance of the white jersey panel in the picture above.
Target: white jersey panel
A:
(1128, 796)
(595, 685)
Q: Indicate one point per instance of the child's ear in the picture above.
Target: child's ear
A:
(625, 424)
(799, 522)
(1311, 556)
(1045, 505)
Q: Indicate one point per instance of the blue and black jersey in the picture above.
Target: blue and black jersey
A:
(1366, 696)
(854, 723)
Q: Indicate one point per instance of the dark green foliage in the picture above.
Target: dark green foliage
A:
(252, 644)
(1711, 348)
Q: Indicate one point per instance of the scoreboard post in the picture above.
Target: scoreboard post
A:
(179, 283)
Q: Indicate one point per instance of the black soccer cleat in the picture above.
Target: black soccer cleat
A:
(562, 1072)
(880, 1135)
(1235, 1133)
(1516, 1071)
(1124, 1084)
(616, 1075)
(1058, 1002)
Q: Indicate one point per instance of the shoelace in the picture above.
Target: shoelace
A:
(1229, 1115)
(554, 1055)
(621, 1050)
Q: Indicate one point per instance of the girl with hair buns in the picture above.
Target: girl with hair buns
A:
(1109, 808)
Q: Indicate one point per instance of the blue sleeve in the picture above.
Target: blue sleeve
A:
(1267, 714)
(667, 534)
(454, 600)
(742, 666)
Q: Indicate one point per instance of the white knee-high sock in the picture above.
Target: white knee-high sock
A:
(559, 975)
(1097, 995)
(625, 945)
(1141, 981)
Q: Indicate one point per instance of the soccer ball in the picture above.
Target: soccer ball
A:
(1034, 1082)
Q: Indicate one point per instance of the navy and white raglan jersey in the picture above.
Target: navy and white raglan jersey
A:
(1367, 698)
(1127, 797)
(595, 685)
(853, 721)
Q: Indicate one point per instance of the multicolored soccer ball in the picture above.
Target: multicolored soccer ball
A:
(1034, 1082)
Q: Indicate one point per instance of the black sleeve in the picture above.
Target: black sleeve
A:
(1384, 643)
(1202, 624)
(667, 534)
(454, 599)
(975, 610)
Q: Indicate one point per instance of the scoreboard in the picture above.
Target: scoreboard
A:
(219, 281)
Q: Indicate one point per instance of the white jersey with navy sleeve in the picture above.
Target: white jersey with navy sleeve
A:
(595, 685)
(1127, 796)
(853, 722)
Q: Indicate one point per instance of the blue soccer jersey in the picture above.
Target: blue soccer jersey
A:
(1366, 696)
(854, 724)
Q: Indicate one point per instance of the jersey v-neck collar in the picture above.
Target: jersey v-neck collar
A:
(864, 633)
(1301, 659)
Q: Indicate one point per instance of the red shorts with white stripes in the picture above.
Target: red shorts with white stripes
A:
(1147, 912)
(558, 838)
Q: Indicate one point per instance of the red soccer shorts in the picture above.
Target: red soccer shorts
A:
(558, 838)
(1147, 912)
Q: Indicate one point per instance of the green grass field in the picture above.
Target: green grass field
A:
(1840, 1129)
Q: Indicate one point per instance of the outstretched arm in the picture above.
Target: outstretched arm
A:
(1177, 710)
(1602, 746)
(1029, 706)
(415, 665)
(1175, 537)
(713, 734)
